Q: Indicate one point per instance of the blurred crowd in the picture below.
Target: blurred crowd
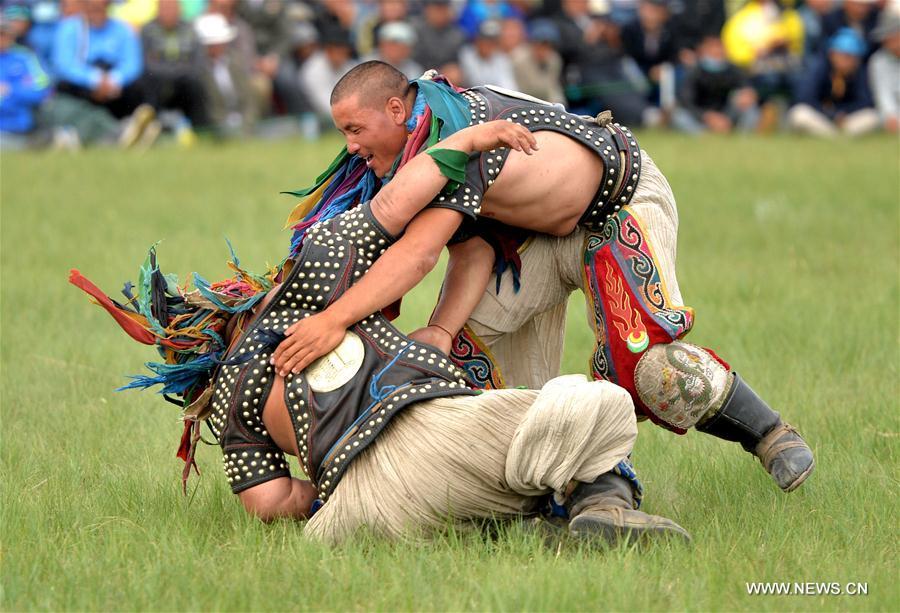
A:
(80, 72)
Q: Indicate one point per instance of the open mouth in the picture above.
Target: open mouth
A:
(368, 159)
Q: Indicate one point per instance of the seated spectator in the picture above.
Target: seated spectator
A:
(833, 96)
(715, 95)
(232, 104)
(594, 66)
(439, 39)
(368, 31)
(304, 44)
(99, 59)
(44, 18)
(395, 47)
(813, 13)
(537, 66)
(23, 87)
(484, 62)
(173, 57)
(884, 69)
(766, 40)
(321, 72)
(244, 45)
(650, 41)
(17, 18)
(694, 21)
(272, 36)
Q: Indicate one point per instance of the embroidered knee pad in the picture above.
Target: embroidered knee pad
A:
(680, 383)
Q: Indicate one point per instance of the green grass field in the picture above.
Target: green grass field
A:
(788, 251)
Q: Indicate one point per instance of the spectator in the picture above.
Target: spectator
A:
(766, 40)
(537, 66)
(833, 96)
(395, 46)
(484, 61)
(476, 12)
(438, 39)
(884, 69)
(715, 95)
(694, 20)
(244, 45)
(813, 13)
(173, 57)
(369, 30)
(304, 44)
(650, 41)
(594, 68)
(17, 18)
(271, 32)
(23, 86)
(334, 15)
(858, 15)
(98, 59)
(321, 72)
(232, 104)
(44, 17)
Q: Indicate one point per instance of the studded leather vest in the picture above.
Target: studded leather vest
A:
(614, 143)
(340, 403)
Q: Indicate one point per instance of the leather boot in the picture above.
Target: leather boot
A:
(605, 509)
(746, 419)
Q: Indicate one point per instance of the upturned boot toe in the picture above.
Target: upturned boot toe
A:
(786, 456)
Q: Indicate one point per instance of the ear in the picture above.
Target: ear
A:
(396, 110)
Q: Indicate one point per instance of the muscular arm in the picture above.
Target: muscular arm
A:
(284, 497)
(407, 261)
(468, 272)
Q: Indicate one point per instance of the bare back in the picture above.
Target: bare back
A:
(547, 191)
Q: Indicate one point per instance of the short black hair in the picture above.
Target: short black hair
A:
(376, 82)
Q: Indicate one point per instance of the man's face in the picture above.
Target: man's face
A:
(844, 64)
(336, 54)
(169, 14)
(376, 135)
(652, 16)
(892, 43)
(95, 12)
(7, 38)
(857, 10)
(394, 52)
(438, 15)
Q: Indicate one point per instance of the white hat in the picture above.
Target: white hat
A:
(398, 32)
(214, 29)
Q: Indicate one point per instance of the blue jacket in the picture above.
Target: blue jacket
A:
(814, 87)
(25, 86)
(80, 51)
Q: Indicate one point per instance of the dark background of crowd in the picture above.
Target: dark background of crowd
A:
(81, 72)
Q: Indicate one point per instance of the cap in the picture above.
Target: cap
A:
(846, 40)
(335, 35)
(214, 29)
(397, 32)
(304, 33)
(489, 28)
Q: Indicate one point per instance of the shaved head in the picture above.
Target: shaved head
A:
(374, 82)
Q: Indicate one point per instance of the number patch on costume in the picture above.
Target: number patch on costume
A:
(334, 369)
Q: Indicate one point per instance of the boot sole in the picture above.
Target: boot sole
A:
(592, 527)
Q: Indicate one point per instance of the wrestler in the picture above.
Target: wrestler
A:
(609, 225)
(385, 427)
